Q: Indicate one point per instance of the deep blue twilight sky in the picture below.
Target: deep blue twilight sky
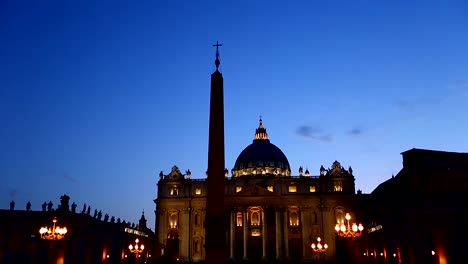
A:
(97, 97)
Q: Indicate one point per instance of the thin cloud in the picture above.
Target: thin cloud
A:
(355, 131)
(62, 174)
(314, 133)
(69, 178)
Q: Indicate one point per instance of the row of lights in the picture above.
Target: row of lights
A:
(57, 233)
(394, 254)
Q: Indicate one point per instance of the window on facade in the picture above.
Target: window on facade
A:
(270, 188)
(339, 215)
(173, 219)
(294, 217)
(174, 190)
(197, 190)
(239, 219)
(292, 188)
(312, 188)
(238, 188)
(338, 186)
(255, 218)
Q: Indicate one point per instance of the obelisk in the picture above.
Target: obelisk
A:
(215, 220)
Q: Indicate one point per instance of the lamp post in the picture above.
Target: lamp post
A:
(52, 234)
(137, 249)
(319, 248)
(348, 230)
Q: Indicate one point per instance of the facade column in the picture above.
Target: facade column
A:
(264, 234)
(185, 234)
(286, 234)
(328, 234)
(305, 227)
(278, 230)
(232, 233)
(246, 231)
(162, 226)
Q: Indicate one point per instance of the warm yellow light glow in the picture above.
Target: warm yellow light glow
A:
(292, 188)
(198, 191)
(319, 248)
(312, 188)
(270, 188)
(54, 233)
(433, 252)
(348, 230)
(348, 216)
(137, 249)
(238, 188)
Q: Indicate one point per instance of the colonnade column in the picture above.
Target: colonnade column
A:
(162, 226)
(286, 234)
(264, 235)
(278, 234)
(305, 228)
(184, 235)
(246, 231)
(232, 233)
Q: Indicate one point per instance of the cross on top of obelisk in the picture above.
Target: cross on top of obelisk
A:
(217, 45)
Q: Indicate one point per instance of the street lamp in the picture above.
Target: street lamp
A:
(348, 231)
(137, 249)
(54, 233)
(319, 248)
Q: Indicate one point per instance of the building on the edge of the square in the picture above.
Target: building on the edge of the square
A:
(91, 238)
(421, 214)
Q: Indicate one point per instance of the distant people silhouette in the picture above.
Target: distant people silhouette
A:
(73, 207)
(28, 206)
(44, 205)
(12, 205)
(49, 206)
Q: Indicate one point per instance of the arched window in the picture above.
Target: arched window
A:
(255, 217)
(339, 213)
(293, 217)
(338, 187)
(239, 219)
(173, 219)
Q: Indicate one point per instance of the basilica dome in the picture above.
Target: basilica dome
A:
(261, 158)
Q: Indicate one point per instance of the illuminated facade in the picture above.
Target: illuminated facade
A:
(271, 214)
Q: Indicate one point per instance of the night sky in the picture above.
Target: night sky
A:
(98, 97)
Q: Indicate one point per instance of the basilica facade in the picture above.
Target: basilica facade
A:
(270, 213)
